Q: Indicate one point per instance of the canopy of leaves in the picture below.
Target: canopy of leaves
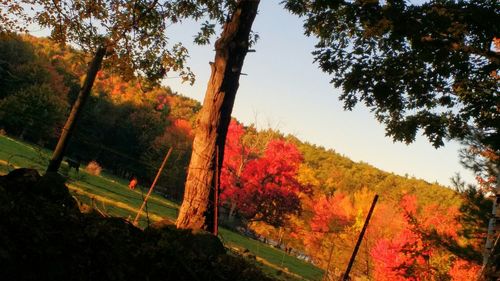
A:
(19, 65)
(426, 67)
(33, 90)
(133, 32)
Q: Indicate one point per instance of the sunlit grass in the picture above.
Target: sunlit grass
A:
(111, 195)
(272, 255)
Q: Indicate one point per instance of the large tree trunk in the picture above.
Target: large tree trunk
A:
(197, 210)
(62, 143)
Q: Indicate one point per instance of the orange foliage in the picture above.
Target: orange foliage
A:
(464, 271)
(331, 213)
(183, 127)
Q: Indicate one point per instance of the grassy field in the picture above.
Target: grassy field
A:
(111, 196)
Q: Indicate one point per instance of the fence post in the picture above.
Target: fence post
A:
(360, 238)
(152, 186)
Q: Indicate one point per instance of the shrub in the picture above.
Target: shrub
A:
(93, 168)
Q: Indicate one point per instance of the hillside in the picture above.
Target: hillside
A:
(310, 201)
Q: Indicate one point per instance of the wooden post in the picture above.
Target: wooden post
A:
(152, 186)
(76, 110)
(360, 238)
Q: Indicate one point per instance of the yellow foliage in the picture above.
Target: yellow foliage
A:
(307, 176)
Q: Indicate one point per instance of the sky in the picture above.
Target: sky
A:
(285, 90)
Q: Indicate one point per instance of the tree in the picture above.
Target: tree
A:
(33, 96)
(129, 38)
(236, 156)
(463, 270)
(331, 214)
(33, 113)
(429, 67)
(197, 209)
(417, 67)
(428, 244)
(263, 188)
(260, 186)
(405, 256)
(19, 65)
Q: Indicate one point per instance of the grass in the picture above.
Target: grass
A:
(112, 196)
(275, 256)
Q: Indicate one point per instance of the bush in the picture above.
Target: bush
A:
(93, 168)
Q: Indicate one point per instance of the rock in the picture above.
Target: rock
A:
(19, 180)
(163, 224)
(52, 186)
(208, 244)
(199, 244)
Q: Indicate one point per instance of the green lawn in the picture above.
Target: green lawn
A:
(119, 200)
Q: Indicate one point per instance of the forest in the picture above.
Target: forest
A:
(294, 195)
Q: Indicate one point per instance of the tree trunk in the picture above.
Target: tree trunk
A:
(232, 212)
(62, 143)
(196, 211)
(493, 233)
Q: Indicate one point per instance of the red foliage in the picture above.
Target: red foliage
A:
(387, 258)
(409, 204)
(276, 169)
(486, 183)
(406, 256)
(162, 102)
(265, 188)
(433, 216)
(235, 155)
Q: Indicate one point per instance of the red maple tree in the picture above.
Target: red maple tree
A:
(260, 188)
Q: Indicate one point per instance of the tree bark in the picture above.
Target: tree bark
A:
(62, 143)
(197, 208)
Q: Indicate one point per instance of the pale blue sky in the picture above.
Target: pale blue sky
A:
(286, 90)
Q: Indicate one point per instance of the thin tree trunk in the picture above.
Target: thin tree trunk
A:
(232, 211)
(196, 211)
(62, 143)
(493, 226)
